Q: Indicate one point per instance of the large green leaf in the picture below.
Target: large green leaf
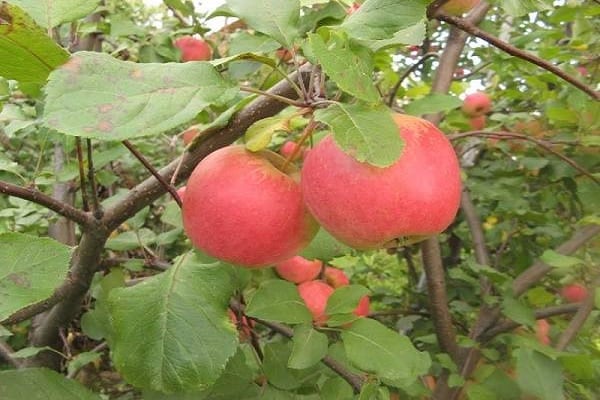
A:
(539, 375)
(375, 348)
(172, 332)
(349, 67)
(41, 384)
(369, 134)
(50, 13)
(310, 346)
(382, 19)
(276, 18)
(97, 96)
(517, 8)
(30, 269)
(278, 300)
(27, 54)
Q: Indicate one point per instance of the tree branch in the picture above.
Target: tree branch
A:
(35, 196)
(467, 26)
(405, 74)
(6, 352)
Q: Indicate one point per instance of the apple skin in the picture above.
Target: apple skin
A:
(288, 148)
(189, 135)
(363, 307)
(574, 293)
(298, 269)
(477, 104)
(459, 7)
(542, 329)
(193, 49)
(336, 277)
(242, 209)
(365, 207)
(477, 123)
(181, 192)
(315, 295)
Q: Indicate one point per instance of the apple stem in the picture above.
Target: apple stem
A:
(273, 96)
(308, 130)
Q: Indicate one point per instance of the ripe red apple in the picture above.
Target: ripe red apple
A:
(542, 331)
(189, 135)
(315, 295)
(193, 49)
(459, 7)
(241, 208)
(574, 293)
(244, 328)
(477, 123)
(365, 206)
(336, 277)
(477, 104)
(298, 269)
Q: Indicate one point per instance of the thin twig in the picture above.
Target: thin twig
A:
(172, 191)
(273, 96)
(514, 51)
(35, 196)
(405, 74)
(82, 185)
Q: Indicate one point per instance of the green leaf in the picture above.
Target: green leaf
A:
(517, 311)
(4, 332)
(539, 375)
(51, 13)
(131, 240)
(278, 300)
(382, 19)
(557, 260)
(276, 18)
(259, 134)
(412, 35)
(97, 96)
(27, 54)
(345, 299)
(517, 8)
(30, 269)
(336, 388)
(369, 134)
(29, 352)
(81, 359)
(377, 349)
(171, 332)
(433, 103)
(349, 67)
(275, 367)
(41, 383)
(324, 247)
(310, 346)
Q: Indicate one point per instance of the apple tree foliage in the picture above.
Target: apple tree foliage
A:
(102, 295)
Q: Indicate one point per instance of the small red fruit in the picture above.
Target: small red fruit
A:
(315, 295)
(574, 293)
(298, 269)
(244, 328)
(362, 310)
(193, 49)
(336, 277)
(477, 123)
(288, 148)
(241, 208)
(542, 330)
(365, 206)
(477, 104)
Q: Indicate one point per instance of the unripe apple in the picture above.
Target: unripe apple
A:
(477, 123)
(459, 7)
(241, 208)
(574, 293)
(336, 277)
(477, 104)
(365, 206)
(298, 269)
(315, 295)
(542, 331)
(193, 49)
(189, 135)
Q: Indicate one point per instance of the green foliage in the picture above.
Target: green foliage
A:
(41, 383)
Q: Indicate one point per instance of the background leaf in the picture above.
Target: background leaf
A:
(324, 247)
(97, 96)
(539, 375)
(310, 346)
(50, 13)
(278, 300)
(30, 269)
(171, 332)
(259, 134)
(433, 103)
(366, 133)
(41, 383)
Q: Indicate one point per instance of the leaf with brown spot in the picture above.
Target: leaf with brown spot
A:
(97, 96)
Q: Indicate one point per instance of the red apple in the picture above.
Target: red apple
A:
(583, 71)
(365, 206)
(244, 328)
(459, 7)
(298, 269)
(190, 134)
(241, 208)
(315, 295)
(336, 277)
(288, 148)
(477, 104)
(574, 293)
(477, 123)
(181, 192)
(542, 330)
(193, 49)
(364, 304)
